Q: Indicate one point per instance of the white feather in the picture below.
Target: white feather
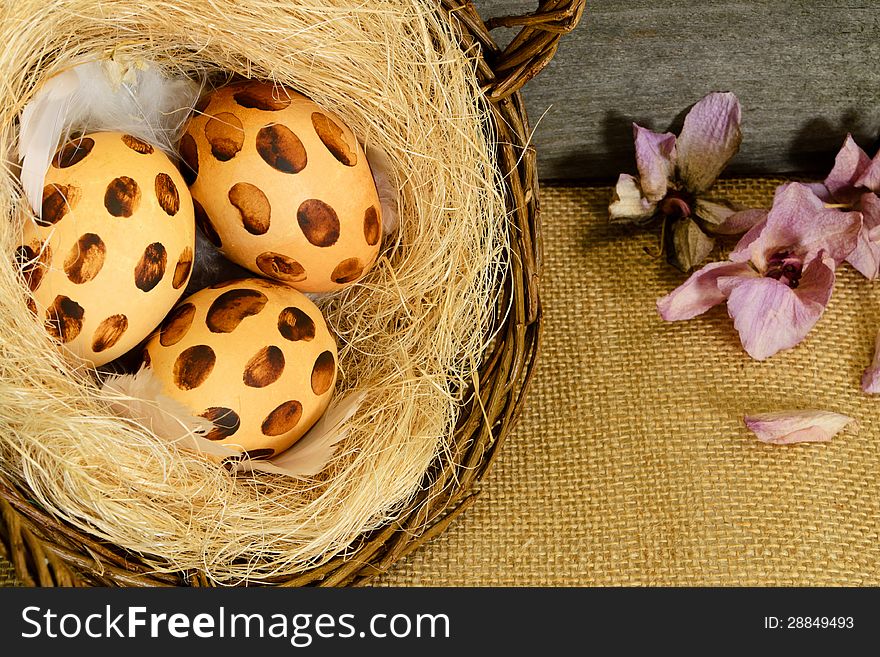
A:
(42, 122)
(381, 168)
(313, 451)
(134, 97)
(139, 397)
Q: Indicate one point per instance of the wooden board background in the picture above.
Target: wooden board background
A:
(806, 73)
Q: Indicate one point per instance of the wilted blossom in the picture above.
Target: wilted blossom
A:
(675, 177)
(852, 185)
(787, 427)
(779, 277)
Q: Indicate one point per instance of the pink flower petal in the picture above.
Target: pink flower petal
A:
(869, 205)
(865, 258)
(655, 158)
(628, 204)
(849, 165)
(871, 377)
(742, 252)
(817, 281)
(770, 316)
(787, 427)
(713, 213)
(700, 292)
(800, 222)
(870, 177)
(687, 245)
(740, 222)
(820, 190)
(710, 137)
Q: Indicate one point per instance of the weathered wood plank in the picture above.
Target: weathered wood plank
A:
(806, 73)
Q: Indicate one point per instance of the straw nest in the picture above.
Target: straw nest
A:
(410, 335)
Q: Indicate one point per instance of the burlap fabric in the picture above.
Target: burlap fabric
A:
(631, 465)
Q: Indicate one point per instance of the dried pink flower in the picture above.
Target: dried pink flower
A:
(675, 176)
(852, 185)
(779, 277)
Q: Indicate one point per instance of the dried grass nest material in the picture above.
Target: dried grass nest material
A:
(410, 334)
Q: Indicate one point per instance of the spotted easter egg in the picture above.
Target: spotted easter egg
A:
(282, 186)
(113, 249)
(253, 356)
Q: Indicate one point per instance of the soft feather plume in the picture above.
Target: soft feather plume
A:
(134, 97)
(382, 169)
(313, 451)
(139, 397)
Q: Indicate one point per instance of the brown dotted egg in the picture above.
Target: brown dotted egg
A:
(282, 187)
(253, 356)
(113, 249)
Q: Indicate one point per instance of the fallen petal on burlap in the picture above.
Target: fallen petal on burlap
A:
(798, 426)
(753, 221)
(710, 137)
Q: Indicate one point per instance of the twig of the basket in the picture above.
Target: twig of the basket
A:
(535, 45)
(28, 526)
(558, 20)
(29, 556)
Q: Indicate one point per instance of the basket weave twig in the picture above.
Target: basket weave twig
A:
(46, 552)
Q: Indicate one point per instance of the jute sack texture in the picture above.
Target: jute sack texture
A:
(631, 465)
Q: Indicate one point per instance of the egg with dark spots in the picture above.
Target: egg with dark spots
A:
(282, 186)
(112, 251)
(253, 356)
